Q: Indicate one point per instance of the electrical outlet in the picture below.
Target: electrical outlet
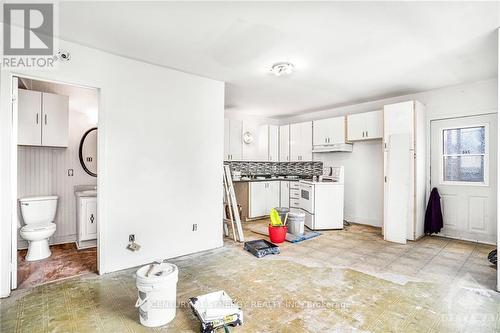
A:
(131, 238)
(70, 172)
(195, 227)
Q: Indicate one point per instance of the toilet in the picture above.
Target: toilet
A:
(38, 215)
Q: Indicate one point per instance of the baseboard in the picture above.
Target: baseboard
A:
(363, 220)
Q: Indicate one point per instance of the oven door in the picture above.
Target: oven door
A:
(307, 197)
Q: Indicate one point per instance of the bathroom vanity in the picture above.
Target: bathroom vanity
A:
(86, 219)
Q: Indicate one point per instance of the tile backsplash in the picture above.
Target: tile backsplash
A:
(277, 168)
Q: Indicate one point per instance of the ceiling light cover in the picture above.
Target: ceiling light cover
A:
(282, 68)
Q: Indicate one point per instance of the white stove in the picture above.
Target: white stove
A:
(323, 201)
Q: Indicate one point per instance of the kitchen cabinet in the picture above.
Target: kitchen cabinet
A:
(42, 119)
(87, 220)
(329, 131)
(256, 148)
(262, 197)
(365, 126)
(404, 171)
(233, 142)
(285, 193)
(273, 143)
(301, 142)
(284, 143)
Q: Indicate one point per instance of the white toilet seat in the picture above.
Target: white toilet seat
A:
(39, 226)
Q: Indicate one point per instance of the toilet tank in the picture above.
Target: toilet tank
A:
(38, 209)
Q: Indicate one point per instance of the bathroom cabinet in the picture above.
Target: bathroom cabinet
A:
(86, 221)
(42, 119)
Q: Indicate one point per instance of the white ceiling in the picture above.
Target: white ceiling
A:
(344, 52)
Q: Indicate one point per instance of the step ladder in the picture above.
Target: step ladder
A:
(234, 213)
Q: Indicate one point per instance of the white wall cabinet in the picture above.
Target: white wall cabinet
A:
(274, 143)
(42, 119)
(284, 143)
(258, 148)
(329, 131)
(365, 126)
(233, 142)
(262, 197)
(285, 194)
(87, 219)
(301, 142)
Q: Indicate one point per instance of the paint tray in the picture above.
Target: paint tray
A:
(216, 310)
(261, 248)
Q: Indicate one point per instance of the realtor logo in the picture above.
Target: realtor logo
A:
(28, 29)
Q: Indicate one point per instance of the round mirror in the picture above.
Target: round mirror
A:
(88, 152)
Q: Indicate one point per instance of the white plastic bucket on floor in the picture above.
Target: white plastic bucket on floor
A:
(157, 294)
(296, 223)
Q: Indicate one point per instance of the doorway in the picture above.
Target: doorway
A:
(55, 196)
(464, 170)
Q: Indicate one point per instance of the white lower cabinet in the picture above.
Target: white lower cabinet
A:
(86, 221)
(285, 194)
(262, 197)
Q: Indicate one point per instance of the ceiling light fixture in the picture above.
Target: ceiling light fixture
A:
(282, 68)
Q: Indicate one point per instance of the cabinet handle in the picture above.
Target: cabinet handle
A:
(91, 218)
(45, 119)
(366, 133)
(37, 118)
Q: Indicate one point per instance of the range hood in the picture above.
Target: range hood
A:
(337, 147)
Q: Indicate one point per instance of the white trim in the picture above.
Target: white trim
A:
(13, 174)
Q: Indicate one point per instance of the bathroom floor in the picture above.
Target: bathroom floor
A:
(342, 281)
(65, 261)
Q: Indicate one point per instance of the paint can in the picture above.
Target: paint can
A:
(157, 301)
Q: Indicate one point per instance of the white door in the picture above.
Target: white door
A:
(285, 194)
(29, 128)
(91, 219)
(14, 222)
(285, 143)
(463, 168)
(273, 143)
(235, 140)
(257, 204)
(306, 141)
(273, 196)
(336, 133)
(55, 122)
(321, 132)
(355, 127)
(374, 124)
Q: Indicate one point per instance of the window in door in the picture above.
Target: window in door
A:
(464, 155)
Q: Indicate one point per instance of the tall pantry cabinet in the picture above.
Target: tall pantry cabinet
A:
(404, 171)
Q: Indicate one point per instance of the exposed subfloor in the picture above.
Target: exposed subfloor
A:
(66, 261)
(341, 281)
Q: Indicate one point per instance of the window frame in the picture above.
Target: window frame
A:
(486, 155)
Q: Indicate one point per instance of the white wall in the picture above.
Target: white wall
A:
(44, 170)
(160, 145)
(363, 168)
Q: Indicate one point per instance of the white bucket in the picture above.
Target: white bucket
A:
(157, 294)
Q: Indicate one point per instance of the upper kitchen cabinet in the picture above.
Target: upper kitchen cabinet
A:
(255, 141)
(42, 119)
(329, 131)
(274, 143)
(284, 143)
(365, 126)
(233, 143)
(301, 142)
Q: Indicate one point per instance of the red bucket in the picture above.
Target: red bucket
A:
(277, 234)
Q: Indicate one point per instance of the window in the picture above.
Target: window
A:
(464, 154)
